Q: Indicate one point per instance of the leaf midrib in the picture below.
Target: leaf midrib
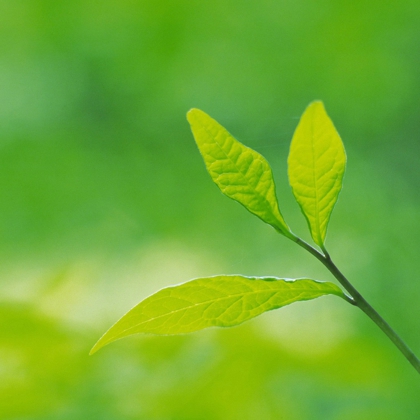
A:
(301, 290)
(264, 199)
(317, 227)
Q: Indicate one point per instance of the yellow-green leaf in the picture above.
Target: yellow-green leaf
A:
(241, 173)
(222, 301)
(316, 167)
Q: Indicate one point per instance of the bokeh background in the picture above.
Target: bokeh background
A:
(105, 199)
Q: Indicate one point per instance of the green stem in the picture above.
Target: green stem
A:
(360, 301)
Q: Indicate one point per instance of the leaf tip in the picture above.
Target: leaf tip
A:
(95, 348)
(316, 104)
(103, 341)
(193, 112)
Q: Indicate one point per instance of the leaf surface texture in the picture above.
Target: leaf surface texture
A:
(316, 166)
(240, 172)
(222, 301)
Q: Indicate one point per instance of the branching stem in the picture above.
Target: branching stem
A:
(358, 300)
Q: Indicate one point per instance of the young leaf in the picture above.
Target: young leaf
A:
(222, 301)
(316, 165)
(241, 173)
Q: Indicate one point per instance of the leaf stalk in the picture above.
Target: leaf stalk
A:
(358, 300)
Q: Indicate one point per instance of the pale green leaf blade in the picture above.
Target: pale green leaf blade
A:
(222, 301)
(316, 166)
(240, 172)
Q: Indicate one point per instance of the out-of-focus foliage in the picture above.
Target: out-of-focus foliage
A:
(95, 154)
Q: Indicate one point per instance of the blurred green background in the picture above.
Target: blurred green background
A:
(105, 199)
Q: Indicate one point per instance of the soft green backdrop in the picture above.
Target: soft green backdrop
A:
(104, 199)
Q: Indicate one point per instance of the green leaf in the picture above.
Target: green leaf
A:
(222, 301)
(316, 165)
(241, 173)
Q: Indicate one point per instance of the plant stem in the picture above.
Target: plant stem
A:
(360, 301)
